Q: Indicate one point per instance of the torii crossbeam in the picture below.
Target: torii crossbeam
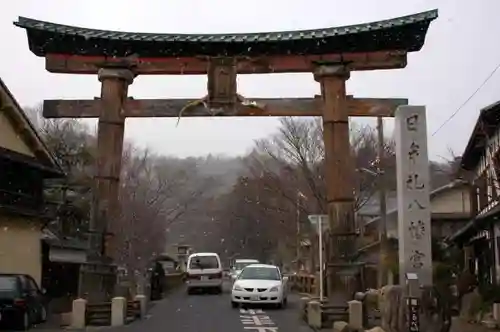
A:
(166, 108)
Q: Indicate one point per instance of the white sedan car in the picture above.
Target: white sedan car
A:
(260, 284)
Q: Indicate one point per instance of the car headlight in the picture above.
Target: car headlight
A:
(274, 289)
(237, 288)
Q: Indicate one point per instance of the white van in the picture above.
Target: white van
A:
(239, 264)
(204, 271)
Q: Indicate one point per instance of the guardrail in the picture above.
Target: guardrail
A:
(100, 313)
(303, 283)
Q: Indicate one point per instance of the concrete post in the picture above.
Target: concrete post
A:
(314, 314)
(356, 315)
(143, 304)
(303, 305)
(118, 311)
(340, 326)
(78, 313)
(496, 312)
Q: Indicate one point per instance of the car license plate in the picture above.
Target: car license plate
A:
(254, 298)
(204, 278)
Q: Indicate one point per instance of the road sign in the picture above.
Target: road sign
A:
(314, 219)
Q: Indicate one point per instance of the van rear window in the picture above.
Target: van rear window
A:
(204, 262)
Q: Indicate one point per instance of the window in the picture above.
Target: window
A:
(204, 262)
(241, 265)
(260, 273)
(8, 283)
(32, 286)
(8, 287)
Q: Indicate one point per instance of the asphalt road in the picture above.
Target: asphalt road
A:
(179, 312)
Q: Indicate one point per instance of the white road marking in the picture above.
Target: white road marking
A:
(256, 320)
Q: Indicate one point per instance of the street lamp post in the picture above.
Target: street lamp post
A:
(317, 220)
(297, 207)
(379, 174)
(320, 240)
(382, 273)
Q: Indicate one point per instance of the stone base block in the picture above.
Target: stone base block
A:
(78, 314)
(143, 304)
(118, 311)
(314, 314)
(341, 327)
(376, 329)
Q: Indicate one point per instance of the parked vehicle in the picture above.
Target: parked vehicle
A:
(238, 265)
(22, 301)
(260, 284)
(204, 271)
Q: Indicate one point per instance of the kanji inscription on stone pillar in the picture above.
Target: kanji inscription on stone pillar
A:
(413, 184)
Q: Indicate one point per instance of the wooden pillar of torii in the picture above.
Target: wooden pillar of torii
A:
(110, 133)
(339, 171)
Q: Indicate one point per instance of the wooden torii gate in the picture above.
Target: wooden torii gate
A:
(330, 54)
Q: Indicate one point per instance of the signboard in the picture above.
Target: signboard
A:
(314, 219)
(413, 315)
(67, 256)
(414, 210)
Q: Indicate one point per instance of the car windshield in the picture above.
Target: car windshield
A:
(241, 265)
(204, 262)
(260, 273)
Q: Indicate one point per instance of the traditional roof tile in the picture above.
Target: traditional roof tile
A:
(487, 123)
(405, 33)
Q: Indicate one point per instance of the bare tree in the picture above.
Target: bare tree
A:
(298, 148)
(247, 227)
(284, 165)
(72, 146)
(154, 195)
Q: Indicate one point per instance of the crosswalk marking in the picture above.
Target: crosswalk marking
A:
(256, 320)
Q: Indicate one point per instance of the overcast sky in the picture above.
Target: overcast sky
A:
(461, 50)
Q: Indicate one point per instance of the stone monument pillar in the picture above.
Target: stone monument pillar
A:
(413, 184)
(414, 219)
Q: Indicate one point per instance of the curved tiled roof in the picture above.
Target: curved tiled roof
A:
(405, 33)
(487, 123)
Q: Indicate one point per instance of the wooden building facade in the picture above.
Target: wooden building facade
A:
(25, 162)
(480, 237)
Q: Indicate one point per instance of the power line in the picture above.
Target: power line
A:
(468, 99)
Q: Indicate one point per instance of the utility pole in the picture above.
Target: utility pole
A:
(299, 241)
(384, 248)
(297, 217)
